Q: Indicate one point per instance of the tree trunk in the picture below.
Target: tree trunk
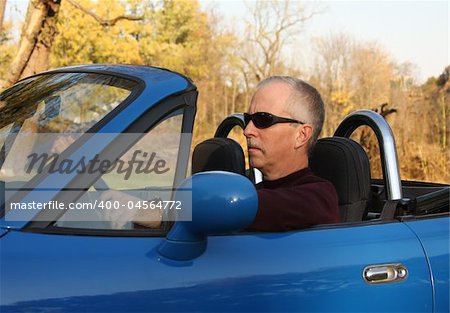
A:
(37, 37)
(2, 14)
(233, 97)
(225, 97)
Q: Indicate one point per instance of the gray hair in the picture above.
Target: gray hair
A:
(304, 104)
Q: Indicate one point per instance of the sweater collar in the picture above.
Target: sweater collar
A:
(286, 180)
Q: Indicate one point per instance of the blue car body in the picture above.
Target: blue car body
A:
(207, 264)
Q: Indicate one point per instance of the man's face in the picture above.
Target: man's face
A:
(271, 148)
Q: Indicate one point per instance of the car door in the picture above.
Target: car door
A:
(433, 232)
(314, 270)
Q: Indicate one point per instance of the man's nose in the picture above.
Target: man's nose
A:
(250, 130)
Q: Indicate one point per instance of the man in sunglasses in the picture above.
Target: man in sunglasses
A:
(283, 123)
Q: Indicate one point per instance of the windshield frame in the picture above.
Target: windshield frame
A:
(159, 92)
(134, 94)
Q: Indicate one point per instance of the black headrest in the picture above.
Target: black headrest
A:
(345, 164)
(218, 154)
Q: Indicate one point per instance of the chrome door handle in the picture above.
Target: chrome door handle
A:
(385, 273)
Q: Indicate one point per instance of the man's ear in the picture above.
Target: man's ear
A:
(304, 135)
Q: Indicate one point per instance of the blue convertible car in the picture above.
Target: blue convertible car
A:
(74, 139)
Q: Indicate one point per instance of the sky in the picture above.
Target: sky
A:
(411, 31)
(417, 32)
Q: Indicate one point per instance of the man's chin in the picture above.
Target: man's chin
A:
(256, 162)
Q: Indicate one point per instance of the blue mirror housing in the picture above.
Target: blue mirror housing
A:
(222, 202)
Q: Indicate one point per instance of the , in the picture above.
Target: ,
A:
(390, 253)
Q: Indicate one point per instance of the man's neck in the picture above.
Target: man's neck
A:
(280, 173)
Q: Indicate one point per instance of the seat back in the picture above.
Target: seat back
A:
(218, 154)
(345, 164)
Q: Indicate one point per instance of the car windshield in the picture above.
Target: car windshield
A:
(59, 103)
(42, 120)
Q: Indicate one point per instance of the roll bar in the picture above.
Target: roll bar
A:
(382, 130)
(236, 119)
(386, 142)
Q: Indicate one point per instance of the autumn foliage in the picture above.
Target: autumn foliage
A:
(226, 63)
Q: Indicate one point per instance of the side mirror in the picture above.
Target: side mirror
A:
(222, 202)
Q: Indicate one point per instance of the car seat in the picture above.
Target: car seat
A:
(345, 164)
(218, 154)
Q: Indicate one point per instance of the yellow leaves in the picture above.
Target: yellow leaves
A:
(174, 34)
(340, 98)
(81, 39)
(343, 100)
(7, 52)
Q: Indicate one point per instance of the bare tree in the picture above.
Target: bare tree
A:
(372, 69)
(271, 25)
(331, 75)
(333, 59)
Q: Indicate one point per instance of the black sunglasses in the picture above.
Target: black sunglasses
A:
(264, 119)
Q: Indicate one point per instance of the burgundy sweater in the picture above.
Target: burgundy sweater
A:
(296, 201)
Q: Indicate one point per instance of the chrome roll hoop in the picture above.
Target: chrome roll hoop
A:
(386, 142)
